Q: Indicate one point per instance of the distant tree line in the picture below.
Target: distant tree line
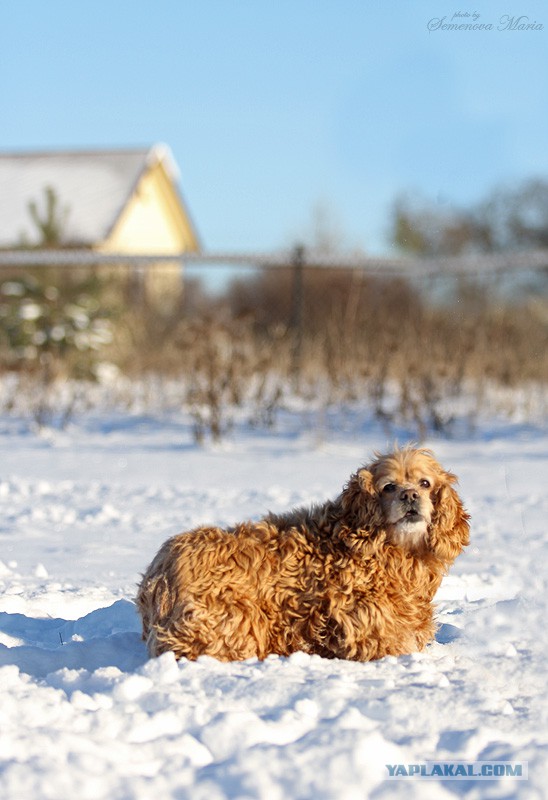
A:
(506, 219)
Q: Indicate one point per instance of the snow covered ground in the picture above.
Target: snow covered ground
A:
(84, 713)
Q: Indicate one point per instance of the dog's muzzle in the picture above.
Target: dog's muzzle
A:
(411, 511)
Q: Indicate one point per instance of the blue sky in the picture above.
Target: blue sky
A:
(276, 109)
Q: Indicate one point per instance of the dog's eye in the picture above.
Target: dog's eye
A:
(424, 483)
(390, 487)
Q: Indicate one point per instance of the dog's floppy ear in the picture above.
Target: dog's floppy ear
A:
(450, 531)
(365, 478)
(360, 501)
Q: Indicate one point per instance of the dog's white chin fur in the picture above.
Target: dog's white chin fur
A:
(409, 533)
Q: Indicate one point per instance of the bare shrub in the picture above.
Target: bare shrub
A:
(224, 366)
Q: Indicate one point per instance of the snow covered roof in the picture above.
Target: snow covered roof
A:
(92, 186)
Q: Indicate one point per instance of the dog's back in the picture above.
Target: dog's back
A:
(255, 590)
(226, 594)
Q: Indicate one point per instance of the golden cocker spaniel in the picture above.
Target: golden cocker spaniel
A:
(352, 578)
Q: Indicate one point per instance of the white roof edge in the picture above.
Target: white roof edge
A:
(162, 152)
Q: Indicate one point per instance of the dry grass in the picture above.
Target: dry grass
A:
(372, 342)
(367, 341)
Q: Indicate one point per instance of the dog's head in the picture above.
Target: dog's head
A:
(408, 495)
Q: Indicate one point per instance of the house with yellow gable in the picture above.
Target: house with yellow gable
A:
(111, 201)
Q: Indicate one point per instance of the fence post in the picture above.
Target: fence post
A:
(297, 306)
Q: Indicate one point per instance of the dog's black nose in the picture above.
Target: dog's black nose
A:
(409, 495)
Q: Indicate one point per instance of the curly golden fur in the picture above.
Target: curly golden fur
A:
(352, 578)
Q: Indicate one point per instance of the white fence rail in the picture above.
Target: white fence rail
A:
(487, 264)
